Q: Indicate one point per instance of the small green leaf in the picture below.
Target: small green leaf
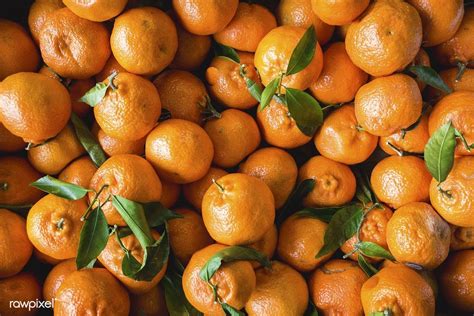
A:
(311, 310)
(371, 249)
(303, 53)
(386, 312)
(439, 152)
(97, 93)
(230, 311)
(429, 76)
(343, 225)
(156, 214)
(364, 192)
(230, 254)
(226, 51)
(305, 110)
(88, 141)
(369, 269)
(268, 93)
(295, 198)
(60, 188)
(324, 213)
(254, 88)
(176, 301)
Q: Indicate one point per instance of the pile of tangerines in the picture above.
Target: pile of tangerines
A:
(190, 157)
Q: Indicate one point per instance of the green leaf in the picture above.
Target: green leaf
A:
(386, 312)
(230, 311)
(429, 76)
(156, 214)
(369, 269)
(97, 93)
(439, 152)
(303, 53)
(268, 93)
(295, 198)
(371, 249)
(226, 51)
(254, 88)
(93, 239)
(305, 110)
(88, 141)
(230, 254)
(60, 188)
(343, 225)
(176, 301)
(364, 192)
(311, 310)
(324, 213)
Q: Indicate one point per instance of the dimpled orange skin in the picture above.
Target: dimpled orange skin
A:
(335, 288)
(179, 140)
(114, 146)
(79, 172)
(170, 193)
(266, 246)
(194, 191)
(112, 256)
(129, 176)
(235, 135)
(274, 52)
(17, 51)
(276, 168)
(187, 235)
(458, 207)
(462, 238)
(96, 10)
(182, 94)
(388, 104)
(131, 110)
(335, 182)
(144, 40)
(339, 12)
(56, 277)
(16, 249)
(417, 234)
(91, 292)
(9, 142)
(38, 13)
(21, 287)
(300, 13)
(238, 209)
(386, 38)
(77, 89)
(400, 290)
(279, 128)
(299, 240)
(339, 138)
(226, 84)
(204, 17)
(340, 78)
(280, 291)
(249, 25)
(35, 107)
(412, 141)
(192, 50)
(110, 67)
(457, 282)
(54, 226)
(16, 174)
(457, 108)
(151, 303)
(235, 282)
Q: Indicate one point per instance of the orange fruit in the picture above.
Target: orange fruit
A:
(130, 110)
(457, 108)
(335, 184)
(335, 287)
(340, 78)
(79, 172)
(235, 282)
(279, 128)
(457, 281)
(22, 287)
(417, 234)
(48, 72)
(169, 193)
(16, 249)
(227, 85)
(339, 12)
(203, 17)
(274, 52)
(249, 25)
(299, 240)
(54, 155)
(466, 82)
(238, 209)
(35, 107)
(54, 226)
(454, 204)
(45, 258)
(194, 192)
(192, 50)
(399, 290)
(73, 47)
(412, 141)
(388, 104)
(421, 59)
(18, 53)
(300, 13)
(182, 94)
(397, 181)
(16, 174)
(98, 11)
(187, 235)
(280, 291)
(110, 67)
(56, 277)
(90, 292)
(234, 135)
(77, 89)
(151, 303)
(276, 168)
(267, 245)
(38, 13)
(462, 238)
(112, 256)
(385, 38)
(129, 176)
(179, 140)
(10, 142)
(150, 52)
(341, 139)
(115, 146)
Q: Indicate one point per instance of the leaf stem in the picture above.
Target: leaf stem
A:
(461, 69)
(91, 205)
(221, 188)
(399, 152)
(4, 186)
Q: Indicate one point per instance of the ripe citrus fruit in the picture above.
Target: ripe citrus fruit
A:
(339, 12)
(38, 13)
(98, 10)
(194, 191)
(149, 303)
(266, 246)
(170, 193)
(115, 146)
(10, 142)
(79, 172)
(56, 277)
(412, 141)
(192, 50)
(22, 287)
(462, 238)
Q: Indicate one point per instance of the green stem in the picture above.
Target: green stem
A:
(60, 223)
(221, 188)
(399, 152)
(446, 193)
(461, 69)
(91, 205)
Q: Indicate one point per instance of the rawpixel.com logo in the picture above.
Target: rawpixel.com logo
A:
(31, 305)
